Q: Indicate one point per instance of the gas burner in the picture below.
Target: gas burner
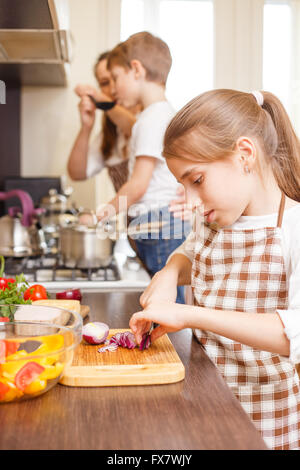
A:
(49, 268)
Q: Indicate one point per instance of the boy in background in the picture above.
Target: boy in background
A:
(140, 68)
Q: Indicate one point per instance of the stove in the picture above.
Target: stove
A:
(124, 273)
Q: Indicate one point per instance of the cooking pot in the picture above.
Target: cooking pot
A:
(54, 204)
(19, 234)
(84, 243)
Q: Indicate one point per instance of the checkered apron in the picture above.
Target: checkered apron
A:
(118, 174)
(243, 270)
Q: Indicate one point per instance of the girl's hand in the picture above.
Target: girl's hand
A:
(168, 315)
(179, 208)
(163, 287)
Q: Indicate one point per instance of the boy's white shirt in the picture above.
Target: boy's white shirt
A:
(291, 253)
(147, 141)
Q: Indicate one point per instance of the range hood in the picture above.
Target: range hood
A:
(35, 42)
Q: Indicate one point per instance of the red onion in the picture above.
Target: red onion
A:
(145, 343)
(70, 294)
(125, 340)
(95, 333)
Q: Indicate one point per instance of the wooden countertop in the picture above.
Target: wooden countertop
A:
(198, 413)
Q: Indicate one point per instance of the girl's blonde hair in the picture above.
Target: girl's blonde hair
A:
(208, 127)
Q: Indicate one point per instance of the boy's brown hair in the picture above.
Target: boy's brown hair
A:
(153, 53)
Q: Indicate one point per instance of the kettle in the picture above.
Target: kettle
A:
(20, 235)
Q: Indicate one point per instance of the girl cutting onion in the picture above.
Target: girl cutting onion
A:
(237, 156)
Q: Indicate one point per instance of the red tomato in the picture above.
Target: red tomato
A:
(3, 390)
(10, 279)
(27, 374)
(3, 283)
(11, 347)
(35, 292)
(4, 319)
(2, 351)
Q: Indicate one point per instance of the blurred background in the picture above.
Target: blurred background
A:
(242, 44)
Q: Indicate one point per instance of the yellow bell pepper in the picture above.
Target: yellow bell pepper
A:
(10, 369)
(36, 386)
(51, 372)
(13, 391)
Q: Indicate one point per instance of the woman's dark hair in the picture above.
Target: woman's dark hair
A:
(109, 129)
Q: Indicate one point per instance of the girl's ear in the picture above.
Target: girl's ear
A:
(138, 69)
(246, 151)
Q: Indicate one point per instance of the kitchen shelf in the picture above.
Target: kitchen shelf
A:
(35, 74)
(35, 42)
(28, 14)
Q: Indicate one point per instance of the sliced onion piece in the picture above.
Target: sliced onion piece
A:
(125, 340)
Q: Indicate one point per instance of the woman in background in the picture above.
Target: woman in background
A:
(110, 146)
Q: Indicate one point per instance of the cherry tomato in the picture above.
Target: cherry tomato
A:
(3, 283)
(4, 319)
(28, 374)
(10, 279)
(35, 292)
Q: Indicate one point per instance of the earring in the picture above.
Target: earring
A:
(247, 169)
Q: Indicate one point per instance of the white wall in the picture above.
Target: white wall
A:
(49, 115)
(238, 41)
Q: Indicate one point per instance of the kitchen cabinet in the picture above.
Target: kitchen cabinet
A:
(35, 45)
(199, 412)
(10, 126)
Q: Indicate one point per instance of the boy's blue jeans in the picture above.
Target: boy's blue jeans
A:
(155, 248)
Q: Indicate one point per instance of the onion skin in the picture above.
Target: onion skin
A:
(95, 333)
(70, 294)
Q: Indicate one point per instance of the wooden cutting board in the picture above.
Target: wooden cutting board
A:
(84, 310)
(160, 364)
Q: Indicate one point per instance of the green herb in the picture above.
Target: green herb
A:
(13, 295)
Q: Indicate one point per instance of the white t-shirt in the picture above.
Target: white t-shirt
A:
(95, 160)
(147, 140)
(290, 243)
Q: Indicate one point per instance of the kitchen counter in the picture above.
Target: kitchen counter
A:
(199, 412)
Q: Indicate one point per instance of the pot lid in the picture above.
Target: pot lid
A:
(53, 198)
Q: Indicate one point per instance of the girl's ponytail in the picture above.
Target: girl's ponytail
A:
(286, 159)
(218, 118)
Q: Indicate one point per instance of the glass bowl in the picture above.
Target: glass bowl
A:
(36, 343)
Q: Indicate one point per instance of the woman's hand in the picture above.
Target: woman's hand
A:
(84, 90)
(179, 208)
(87, 112)
(169, 316)
(163, 287)
(86, 106)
